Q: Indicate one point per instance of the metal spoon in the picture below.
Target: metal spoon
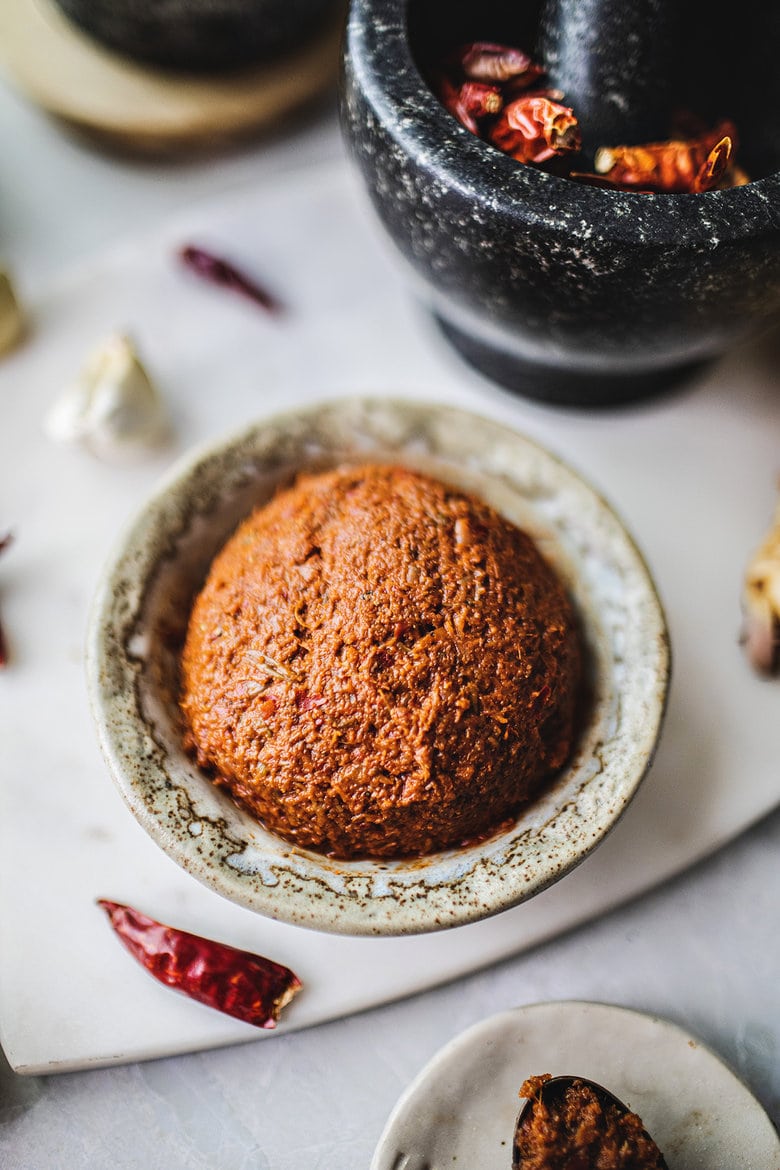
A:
(551, 1093)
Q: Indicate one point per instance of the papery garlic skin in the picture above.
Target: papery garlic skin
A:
(761, 603)
(112, 408)
(12, 319)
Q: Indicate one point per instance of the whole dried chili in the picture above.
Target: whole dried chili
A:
(678, 165)
(238, 983)
(470, 101)
(477, 80)
(4, 543)
(534, 129)
(485, 61)
(221, 272)
(480, 99)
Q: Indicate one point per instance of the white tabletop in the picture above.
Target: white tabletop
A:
(702, 951)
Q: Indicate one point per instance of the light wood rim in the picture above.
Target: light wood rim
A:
(73, 77)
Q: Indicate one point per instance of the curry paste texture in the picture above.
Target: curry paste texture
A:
(380, 665)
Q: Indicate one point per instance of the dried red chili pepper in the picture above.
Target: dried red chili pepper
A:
(469, 101)
(221, 272)
(496, 103)
(533, 129)
(714, 166)
(479, 99)
(485, 61)
(4, 543)
(678, 165)
(448, 95)
(239, 983)
(478, 77)
(716, 171)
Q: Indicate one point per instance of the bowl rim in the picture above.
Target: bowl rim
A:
(223, 847)
(387, 74)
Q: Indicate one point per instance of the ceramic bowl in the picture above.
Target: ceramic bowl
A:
(139, 618)
(203, 36)
(561, 291)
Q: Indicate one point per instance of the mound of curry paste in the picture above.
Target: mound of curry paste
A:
(380, 665)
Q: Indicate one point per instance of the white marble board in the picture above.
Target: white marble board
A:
(693, 475)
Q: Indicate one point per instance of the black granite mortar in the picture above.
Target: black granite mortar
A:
(202, 36)
(561, 291)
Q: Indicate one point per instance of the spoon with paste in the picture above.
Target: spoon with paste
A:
(571, 1123)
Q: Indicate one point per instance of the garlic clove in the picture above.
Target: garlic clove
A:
(12, 319)
(112, 408)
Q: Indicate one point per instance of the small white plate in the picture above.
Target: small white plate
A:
(462, 1108)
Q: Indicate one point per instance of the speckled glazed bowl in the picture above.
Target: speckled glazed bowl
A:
(140, 614)
(561, 291)
(203, 36)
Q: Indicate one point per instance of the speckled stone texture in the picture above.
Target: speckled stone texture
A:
(561, 291)
(201, 35)
(615, 63)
